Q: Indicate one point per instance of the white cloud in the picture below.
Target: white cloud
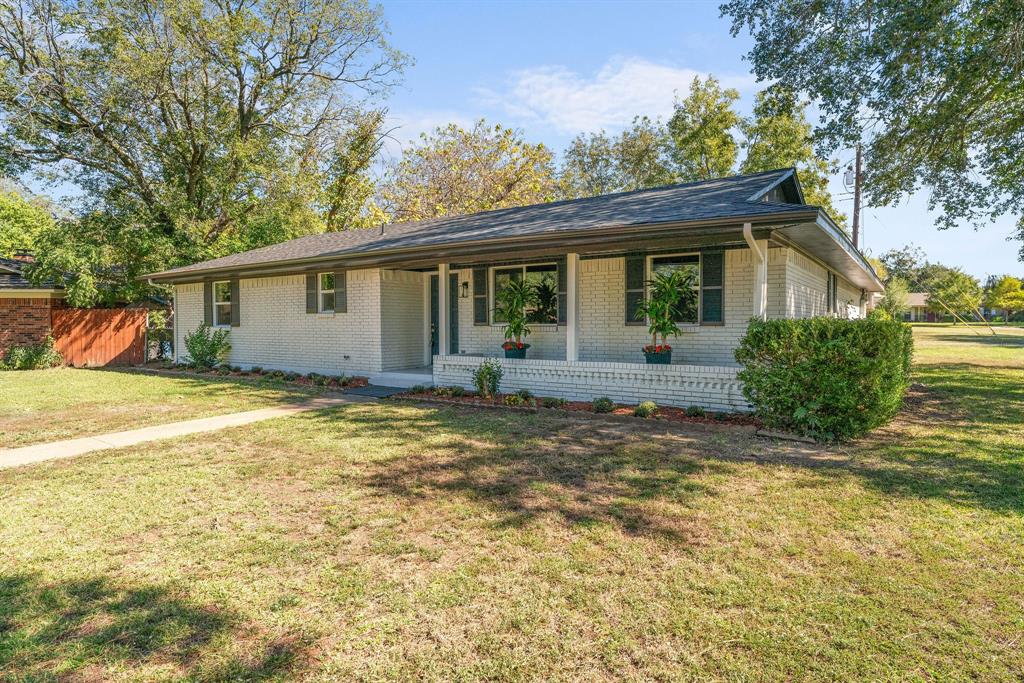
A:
(568, 102)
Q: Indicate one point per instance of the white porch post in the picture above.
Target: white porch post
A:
(572, 269)
(759, 249)
(442, 309)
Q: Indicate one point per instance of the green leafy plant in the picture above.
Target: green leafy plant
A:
(207, 347)
(511, 303)
(553, 402)
(487, 377)
(453, 391)
(417, 389)
(546, 295)
(32, 356)
(646, 409)
(525, 394)
(661, 307)
(694, 411)
(603, 405)
(514, 400)
(256, 370)
(827, 378)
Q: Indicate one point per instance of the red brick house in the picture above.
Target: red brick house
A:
(25, 309)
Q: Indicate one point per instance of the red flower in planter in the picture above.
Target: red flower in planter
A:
(519, 345)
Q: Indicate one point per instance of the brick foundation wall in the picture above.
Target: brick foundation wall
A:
(24, 321)
(711, 387)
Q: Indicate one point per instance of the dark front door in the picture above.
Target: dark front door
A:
(453, 314)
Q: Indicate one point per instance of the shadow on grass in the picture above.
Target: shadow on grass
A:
(1011, 341)
(76, 628)
(212, 384)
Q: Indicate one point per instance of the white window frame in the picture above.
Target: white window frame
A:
(218, 303)
(320, 291)
(492, 290)
(649, 275)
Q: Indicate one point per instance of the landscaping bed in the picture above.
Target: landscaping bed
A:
(526, 401)
(312, 379)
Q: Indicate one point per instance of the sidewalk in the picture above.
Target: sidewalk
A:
(14, 457)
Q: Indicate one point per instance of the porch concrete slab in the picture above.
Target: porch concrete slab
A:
(26, 455)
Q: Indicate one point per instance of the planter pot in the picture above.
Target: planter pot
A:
(516, 353)
(659, 357)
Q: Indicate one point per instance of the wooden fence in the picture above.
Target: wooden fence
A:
(100, 336)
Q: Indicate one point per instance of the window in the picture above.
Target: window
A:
(222, 303)
(325, 292)
(544, 277)
(688, 305)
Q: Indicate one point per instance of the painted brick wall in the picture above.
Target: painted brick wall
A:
(24, 321)
(711, 387)
(276, 332)
(806, 289)
(402, 317)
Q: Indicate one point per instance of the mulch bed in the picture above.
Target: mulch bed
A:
(329, 382)
(666, 413)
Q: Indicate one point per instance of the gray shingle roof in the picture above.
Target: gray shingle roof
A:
(737, 196)
(11, 276)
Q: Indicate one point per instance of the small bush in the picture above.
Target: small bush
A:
(224, 370)
(236, 368)
(207, 347)
(828, 378)
(419, 389)
(256, 370)
(524, 394)
(646, 409)
(603, 405)
(342, 380)
(32, 357)
(291, 376)
(553, 402)
(514, 400)
(487, 377)
(694, 411)
(276, 374)
(453, 391)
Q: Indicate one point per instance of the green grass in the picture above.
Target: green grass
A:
(397, 542)
(47, 405)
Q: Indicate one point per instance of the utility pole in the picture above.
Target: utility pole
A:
(856, 199)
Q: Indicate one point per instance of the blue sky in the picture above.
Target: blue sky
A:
(557, 68)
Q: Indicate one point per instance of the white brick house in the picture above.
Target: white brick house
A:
(414, 303)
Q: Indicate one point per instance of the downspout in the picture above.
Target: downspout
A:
(748, 235)
(760, 293)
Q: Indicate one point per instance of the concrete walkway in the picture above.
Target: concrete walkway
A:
(13, 457)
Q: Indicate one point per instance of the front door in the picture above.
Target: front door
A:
(453, 314)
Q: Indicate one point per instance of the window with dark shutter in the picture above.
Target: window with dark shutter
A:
(712, 280)
(208, 304)
(236, 313)
(563, 286)
(340, 291)
(311, 293)
(479, 296)
(635, 267)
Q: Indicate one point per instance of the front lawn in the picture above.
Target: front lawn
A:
(64, 403)
(397, 541)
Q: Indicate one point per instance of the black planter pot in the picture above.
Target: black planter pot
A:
(516, 353)
(659, 357)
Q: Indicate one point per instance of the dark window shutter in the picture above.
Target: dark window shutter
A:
(712, 281)
(208, 304)
(563, 286)
(311, 289)
(479, 296)
(340, 291)
(634, 288)
(236, 318)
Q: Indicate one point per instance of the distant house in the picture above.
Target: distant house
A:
(414, 303)
(917, 308)
(25, 308)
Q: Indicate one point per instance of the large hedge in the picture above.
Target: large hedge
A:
(827, 378)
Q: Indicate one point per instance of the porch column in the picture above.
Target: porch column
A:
(572, 300)
(759, 250)
(442, 309)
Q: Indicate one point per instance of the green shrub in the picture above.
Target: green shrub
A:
(514, 400)
(828, 378)
(553, 402)
(224, 370)
(603, 405)
(449, 392)
(291, 376)
(487, 377)
(32, 357)
(525, 394)
(694, 411)
(207, 347)
(418, 389)
(256, 370)
(276, 374)
(646, 409)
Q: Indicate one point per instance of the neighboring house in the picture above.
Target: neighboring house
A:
(917, 308)
(25, 308)
(414, 303)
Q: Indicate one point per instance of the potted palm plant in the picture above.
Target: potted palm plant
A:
(661, 309)
(511, 303)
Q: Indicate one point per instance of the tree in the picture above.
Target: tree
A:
(638, 158)
(778, 135)
(905, 263)
(895, 300)
(1006, 293)
(455, 171)
(950, 290)
(194, 129)
(21, 222)
(934, 91)
(702, 128)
